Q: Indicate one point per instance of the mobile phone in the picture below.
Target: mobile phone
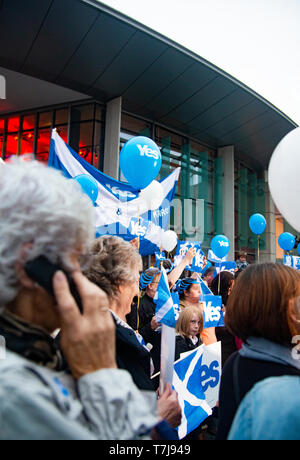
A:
(42, 271)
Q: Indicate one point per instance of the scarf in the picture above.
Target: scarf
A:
(265, 350)
(31, 342)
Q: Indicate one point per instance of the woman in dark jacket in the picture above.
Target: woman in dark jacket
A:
(189, 326)
(259, 312)
(222, 285)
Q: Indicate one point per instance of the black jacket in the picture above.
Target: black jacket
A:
(146, 313)
(184, 344)
(239, 375)
(133, 357)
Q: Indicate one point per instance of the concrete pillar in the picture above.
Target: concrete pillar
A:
(227, 155)
(269, 254)
(112, 138)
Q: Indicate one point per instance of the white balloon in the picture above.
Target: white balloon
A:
(284, 177)
(169, 240)
(153, 195)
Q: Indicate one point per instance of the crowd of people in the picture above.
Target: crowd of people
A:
(86, 374)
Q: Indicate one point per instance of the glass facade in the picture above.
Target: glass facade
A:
(193, 214)
(197, 211)
(249, 200)
(81, 126)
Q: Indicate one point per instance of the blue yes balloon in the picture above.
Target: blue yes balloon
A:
(257, 224)
(220, 246)
(286, 241)
(298, 249)
(140, 161)
(89, 186)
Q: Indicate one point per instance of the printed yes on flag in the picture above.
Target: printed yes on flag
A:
(118, 210)
(292, 261)
(212, 311)
(197, 379)
(225, 267)
(198, 260)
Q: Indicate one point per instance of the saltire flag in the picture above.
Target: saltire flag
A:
(204, 289)
(212, 311)
(198, 260)
(225, 267)
(196, 379)
(213, 258)
(164, 312)
(118, 209)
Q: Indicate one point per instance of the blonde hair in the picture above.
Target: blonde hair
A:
(112, 264)
(183, 323)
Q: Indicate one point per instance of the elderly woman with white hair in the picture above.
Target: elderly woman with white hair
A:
(44, 214)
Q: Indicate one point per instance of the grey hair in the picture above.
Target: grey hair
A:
(112, 264)
(43, 210)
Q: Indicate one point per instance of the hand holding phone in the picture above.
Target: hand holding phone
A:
(42, 271)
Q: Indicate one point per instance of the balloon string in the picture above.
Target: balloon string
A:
(219, 281)
(138, 218)
(139, 295)
(258, 247)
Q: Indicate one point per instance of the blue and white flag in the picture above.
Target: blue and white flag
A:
(176, 301)
(198, 260)
(196, 379)
(164, 313)
(118, 205)
(213, 258)
(159, 256)
(292, 261)
(225, 267)
(204, 289)
(212, 311)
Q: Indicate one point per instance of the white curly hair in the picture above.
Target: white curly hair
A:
(39, 206)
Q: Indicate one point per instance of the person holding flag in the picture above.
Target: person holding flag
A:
(142, 316)
(190, 294)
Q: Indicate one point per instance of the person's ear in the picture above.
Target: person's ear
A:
(22, 276)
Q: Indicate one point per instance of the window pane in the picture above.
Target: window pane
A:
(43, 144)
(63, 132)
(81, 139)
(135, 125)
(99, 112)
(13, 124)
(61, 116)
(45, 119)
(28, 122)
(27, 142)
(82, 113)
(11, 145)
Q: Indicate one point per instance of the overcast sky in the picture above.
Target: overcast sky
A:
(255, 41)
